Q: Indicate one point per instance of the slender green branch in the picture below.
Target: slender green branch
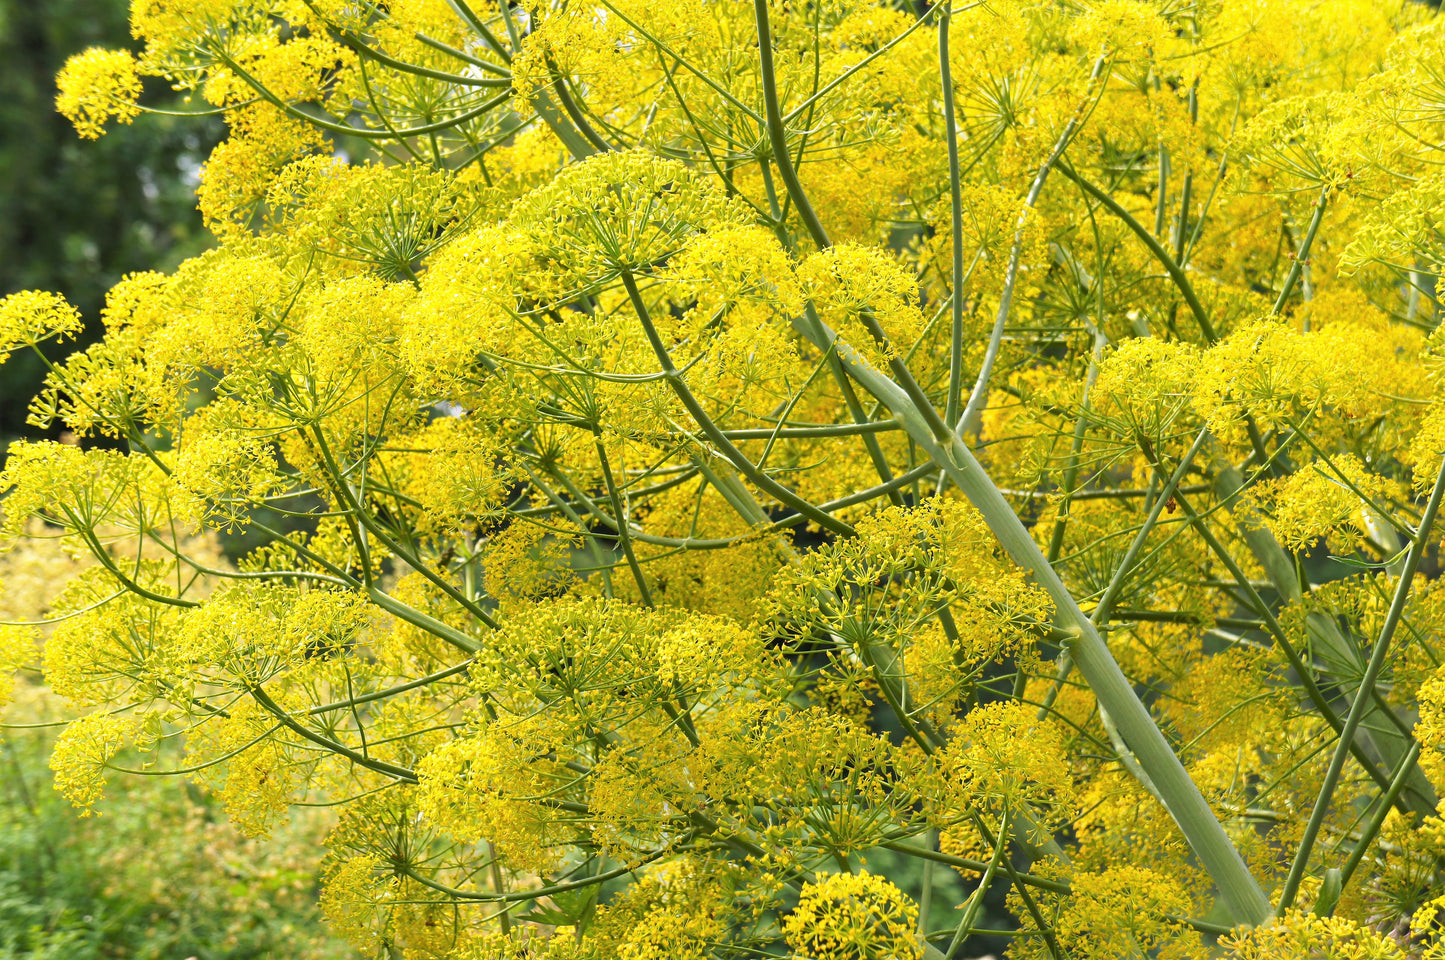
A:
(380, 766)
(425, 681)
(622, 524)
(674, 378)
(1362, 695)
(1382, 810)
(777, 133)
(975, 902)
(979, 395)
(1300, 258)
(1176, 273)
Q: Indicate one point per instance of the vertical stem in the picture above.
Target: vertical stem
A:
(777, 134)
(975, 902)
(1071, 471)
(955, 188)
(1161, 205)
(623, 534)
(1387, 801)
(925, 900)
(979, 396)
(499, 888)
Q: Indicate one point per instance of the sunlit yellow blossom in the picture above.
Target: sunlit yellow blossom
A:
(97, 85)
(1303, 934)
(30, 317)
(82, 752)
(853, 917)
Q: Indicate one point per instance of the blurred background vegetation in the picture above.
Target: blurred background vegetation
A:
(159, 872)
(76, 216)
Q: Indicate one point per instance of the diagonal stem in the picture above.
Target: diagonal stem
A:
(1362, 694)
(1207, 838)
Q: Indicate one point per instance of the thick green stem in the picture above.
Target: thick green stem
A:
(1206, 836)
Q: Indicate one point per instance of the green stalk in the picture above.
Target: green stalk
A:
(979, 394)
(1380, 742)
(1071, 470)
(623, 524)
(1207, 838)
(955, 187)
(1271, 624)
(777, 134)
(1362, 696)
(1301, 257)
(975, 902)
(674, 378)
(1387, 801)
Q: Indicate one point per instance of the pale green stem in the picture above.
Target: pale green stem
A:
(975, 902)
(979, 396)
(1241, 892)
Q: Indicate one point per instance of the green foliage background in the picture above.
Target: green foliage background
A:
(76, 216)
(161, 873)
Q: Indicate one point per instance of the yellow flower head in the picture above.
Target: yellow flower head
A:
(31, 316)
(848, 916)
(97, 85)
(81, 754)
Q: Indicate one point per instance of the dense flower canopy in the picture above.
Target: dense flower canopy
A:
(704, 454)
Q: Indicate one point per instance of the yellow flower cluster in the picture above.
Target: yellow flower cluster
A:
(697, 470)
(31, 317)
(81, 754)
(853, 916)
(97, 85)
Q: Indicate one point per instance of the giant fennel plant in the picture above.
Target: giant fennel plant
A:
(701, 447)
